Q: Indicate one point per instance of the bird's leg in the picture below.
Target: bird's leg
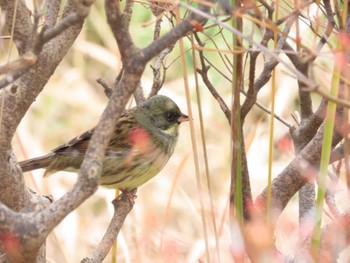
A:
(129, 195)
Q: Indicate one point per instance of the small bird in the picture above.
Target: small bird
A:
(143, 140)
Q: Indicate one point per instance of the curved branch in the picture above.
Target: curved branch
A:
(122, 207)
(16, 232)
(30, 229)
(334, 239)
(18, 13)
(53, 8)
(294, 176)
(120, 29)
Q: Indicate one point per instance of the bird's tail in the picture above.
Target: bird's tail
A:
(36, 163)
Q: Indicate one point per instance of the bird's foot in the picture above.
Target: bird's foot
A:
(126, 195)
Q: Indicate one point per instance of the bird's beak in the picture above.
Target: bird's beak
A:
(183, 118)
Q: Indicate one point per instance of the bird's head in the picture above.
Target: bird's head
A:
(162, 113)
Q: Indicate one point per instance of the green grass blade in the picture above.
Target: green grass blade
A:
(325, 155)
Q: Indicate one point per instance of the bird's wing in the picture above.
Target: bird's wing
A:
(120, 140)
(118, 144)
(79, 144)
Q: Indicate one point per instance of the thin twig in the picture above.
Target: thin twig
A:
(158, 78)
(216, 95)
(326, 95)
(40, 39)
(300, 75)
(107, 89)
(330, 191)
(139, 95)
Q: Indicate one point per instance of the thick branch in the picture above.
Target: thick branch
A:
(20, 96)
(15, 228)
(31, 229)
(53, 8)
(120, 29)
(34, 229)
(23, 27)
(294, 176)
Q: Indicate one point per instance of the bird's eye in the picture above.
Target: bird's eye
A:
(171, 116)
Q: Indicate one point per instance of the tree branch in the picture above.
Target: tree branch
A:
(177, 32)
(294, 176)
(53, 8)
(29, 227)
(122, 207)
(22, 29)
(334, 239)
(267, 70)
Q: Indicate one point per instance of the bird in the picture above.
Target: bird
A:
(142, 142)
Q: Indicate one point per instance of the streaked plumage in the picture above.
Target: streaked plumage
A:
(143, 140)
